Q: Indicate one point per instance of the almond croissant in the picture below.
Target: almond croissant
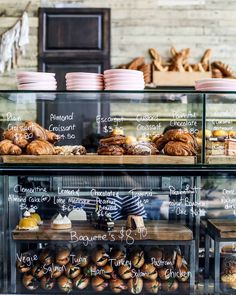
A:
(40, 147)
(8, 148)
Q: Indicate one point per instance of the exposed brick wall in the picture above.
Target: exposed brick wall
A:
(140, 24)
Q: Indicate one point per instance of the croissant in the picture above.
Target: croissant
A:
(180, 135)
(160, 142)
(173, 148)
(51, 136)
(40, 147)
(136, 63)
(8, 148)
(38, 131)
(225, 69)
(17, 137)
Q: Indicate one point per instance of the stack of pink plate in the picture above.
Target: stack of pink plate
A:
(121, 79)
(36, 81)
(216, 84)
(84, 81)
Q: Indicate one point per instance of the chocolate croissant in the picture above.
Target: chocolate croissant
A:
(173, 148)
(40, 147)
(9, 148)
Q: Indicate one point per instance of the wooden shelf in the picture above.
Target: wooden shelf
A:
(93, 159)
(222, 228)
(219, 160)
(155, 230)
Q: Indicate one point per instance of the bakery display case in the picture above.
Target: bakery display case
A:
(114, 192)
(220, 128)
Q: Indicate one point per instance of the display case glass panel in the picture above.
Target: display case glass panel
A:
(220, 128)
(85, 118)
(118, 220)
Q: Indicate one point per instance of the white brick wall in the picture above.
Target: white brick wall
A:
(140, 24)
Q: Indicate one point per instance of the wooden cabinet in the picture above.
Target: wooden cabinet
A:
(72, 40)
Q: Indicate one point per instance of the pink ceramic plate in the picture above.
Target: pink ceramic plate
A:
(217, 84)
(35, 80)
(122, 71)
(34, 74)
(38, 84)
(124, 80)
(78, 79)
(84, 81)
(216, 88)
(213, 80)
(82, 74)
(124, 76)
(124, 88)
(84, 88)
(37, 87)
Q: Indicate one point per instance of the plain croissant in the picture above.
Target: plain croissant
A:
(40, 147)
(7, 147)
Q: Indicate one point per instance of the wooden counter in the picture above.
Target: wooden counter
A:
(93, 159)
(222, 228)
(155, 230)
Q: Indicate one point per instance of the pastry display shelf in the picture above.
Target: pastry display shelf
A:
(93, 159)
(155, 233)
(221, 160)
(219, 230)
(154, 230)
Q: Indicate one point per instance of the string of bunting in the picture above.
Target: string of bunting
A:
(13, 42)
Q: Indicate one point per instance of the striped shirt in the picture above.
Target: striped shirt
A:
(117, 207)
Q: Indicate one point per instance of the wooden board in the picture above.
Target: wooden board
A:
(219, 160)
(97, 159)
(155, 230)
(178, 78)
(222, 228)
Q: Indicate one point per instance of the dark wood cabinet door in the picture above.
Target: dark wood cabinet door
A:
(74, 32)
(73, 40)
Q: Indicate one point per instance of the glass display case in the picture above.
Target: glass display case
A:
(116, 192)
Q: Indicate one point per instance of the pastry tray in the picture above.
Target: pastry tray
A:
(154, 230)
(218, 160)
(93, 159)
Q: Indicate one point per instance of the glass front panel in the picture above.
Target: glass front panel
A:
(128, 232)
(136, 124)
(220, 129)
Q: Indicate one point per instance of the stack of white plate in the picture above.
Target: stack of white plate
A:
(36, 81)
(216, 84)
(121, 79)
(84, 81)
